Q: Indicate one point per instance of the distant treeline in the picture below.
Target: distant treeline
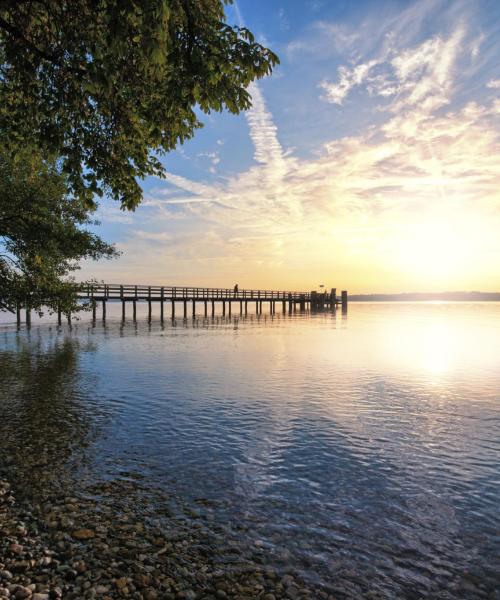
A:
(423, 296)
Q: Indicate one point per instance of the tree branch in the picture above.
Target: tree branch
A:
(18, 35)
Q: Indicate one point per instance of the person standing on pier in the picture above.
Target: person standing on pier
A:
(236, 290)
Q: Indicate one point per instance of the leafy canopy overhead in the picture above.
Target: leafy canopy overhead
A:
(110, 85)
(43, 234)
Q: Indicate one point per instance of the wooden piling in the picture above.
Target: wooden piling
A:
(134, 310)
(213, 308)
(123, 310)
(162, 300)
(173, 309)
(344, 298)
(18, 315)
(103, 309)
(206, 308)
(59, 316)
(94, 310)
(185, 309)
(223, 308)
(194, 308)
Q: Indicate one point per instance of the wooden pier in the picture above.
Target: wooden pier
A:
(190, 300)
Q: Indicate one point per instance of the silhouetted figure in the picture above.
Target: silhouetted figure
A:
(236, 290)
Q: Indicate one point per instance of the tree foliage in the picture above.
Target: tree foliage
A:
(43, 234)
(109, 86)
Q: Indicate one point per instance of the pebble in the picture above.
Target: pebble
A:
(83, 534)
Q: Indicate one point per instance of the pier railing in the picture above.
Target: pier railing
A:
(151, 292)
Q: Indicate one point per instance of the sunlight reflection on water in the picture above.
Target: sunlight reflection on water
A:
(363, 452)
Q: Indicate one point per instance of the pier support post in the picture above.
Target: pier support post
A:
(344, 298)
(230, 305)
(213, 308)
(173, 309)
(241, 307)
(257, 307)
(94, 310)
(185, 309)
(246, 307)
(206, 309)
(333, 298)
(149, 310)
(123, 310)
(104, 310)
(223, 308)
(18, 315)
(314, 300)
(134, 310)
(162, 300)
(59, 316)
(194, 308)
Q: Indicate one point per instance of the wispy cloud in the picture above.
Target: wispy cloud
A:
(336, 93)
(420, 76)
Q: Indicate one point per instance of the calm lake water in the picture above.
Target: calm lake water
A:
(361, 451)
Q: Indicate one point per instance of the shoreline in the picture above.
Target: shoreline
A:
(78, 548)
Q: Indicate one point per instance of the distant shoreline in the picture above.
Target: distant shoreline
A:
(428, 297)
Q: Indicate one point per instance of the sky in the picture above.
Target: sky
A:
(370, 160)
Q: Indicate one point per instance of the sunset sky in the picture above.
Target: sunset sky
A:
(370, 160)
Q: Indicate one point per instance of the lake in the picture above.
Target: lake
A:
(357, 453)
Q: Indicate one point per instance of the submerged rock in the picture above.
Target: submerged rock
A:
(83, 534)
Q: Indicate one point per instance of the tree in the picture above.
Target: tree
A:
(42, 234)
(110, 85)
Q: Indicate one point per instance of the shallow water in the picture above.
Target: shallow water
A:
(360, 451)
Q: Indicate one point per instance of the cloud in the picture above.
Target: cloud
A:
(420, 76)
(263, 132)
(111, 213)
(493, 84)
(323, 39)
(336, 93)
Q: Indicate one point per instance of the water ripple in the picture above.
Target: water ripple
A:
(362, 453)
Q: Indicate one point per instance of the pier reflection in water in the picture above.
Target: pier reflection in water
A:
(361, 452)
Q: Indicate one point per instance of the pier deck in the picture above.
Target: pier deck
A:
(208, 297)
